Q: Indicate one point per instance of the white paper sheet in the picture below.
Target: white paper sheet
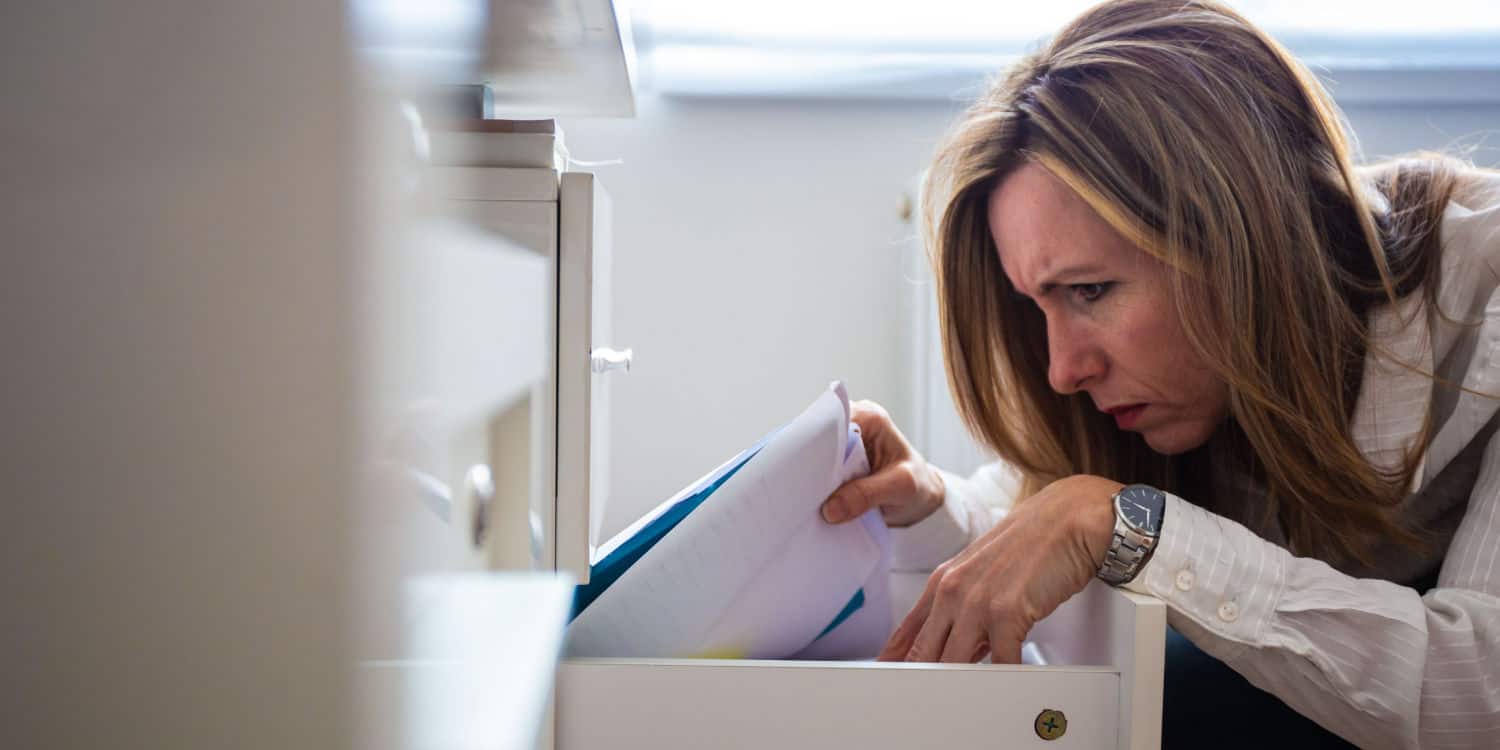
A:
(754, 571)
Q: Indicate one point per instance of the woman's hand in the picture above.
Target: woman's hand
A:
(988, 597)
(901, 483)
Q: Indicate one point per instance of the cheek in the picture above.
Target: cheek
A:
(1187, 375)
(1152, 346)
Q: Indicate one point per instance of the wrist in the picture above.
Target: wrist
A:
(930, 493)
(1139, 511)
(937, 490)
(1096, 516)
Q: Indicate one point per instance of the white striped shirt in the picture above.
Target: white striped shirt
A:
(1369, 659)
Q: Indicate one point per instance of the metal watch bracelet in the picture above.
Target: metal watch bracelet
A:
(1129, 550)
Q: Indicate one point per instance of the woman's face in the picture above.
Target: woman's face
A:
(1111, 328)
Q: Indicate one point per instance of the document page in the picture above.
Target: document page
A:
(741, 564)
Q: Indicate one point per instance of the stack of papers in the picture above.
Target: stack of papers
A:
(534, 144)
(741, 563)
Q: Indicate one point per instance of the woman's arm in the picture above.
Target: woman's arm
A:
(970, 507)
(933, 514)
(1368, 659)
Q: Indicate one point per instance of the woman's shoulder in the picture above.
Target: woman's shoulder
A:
(1405, 347)
(1471, 224)
(1477, 190)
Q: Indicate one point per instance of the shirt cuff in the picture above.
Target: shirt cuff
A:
(1215, 573)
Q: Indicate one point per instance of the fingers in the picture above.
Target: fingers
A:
(892, 487)
(870, 416)
(928, 644)
(965, 638)
(849, 501)
(1004, 648)
(949, 591)
(901, 639)
(980, 651)
(924, 634)
(900, 643)
(884, 443)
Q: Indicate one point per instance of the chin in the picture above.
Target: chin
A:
(1170, 440)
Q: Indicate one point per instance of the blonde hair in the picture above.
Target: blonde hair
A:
(1202, 141)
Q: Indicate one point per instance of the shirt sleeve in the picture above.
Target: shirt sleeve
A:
(1368, 659)
(971, 506)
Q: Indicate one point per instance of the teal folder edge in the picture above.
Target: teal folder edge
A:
(849, 609)
(604, 573)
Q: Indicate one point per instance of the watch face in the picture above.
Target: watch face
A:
(1141, 506)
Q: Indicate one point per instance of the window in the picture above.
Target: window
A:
(946, 48)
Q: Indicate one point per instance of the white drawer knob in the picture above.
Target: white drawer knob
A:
(478, 495)
(479, 485)
(605, 359)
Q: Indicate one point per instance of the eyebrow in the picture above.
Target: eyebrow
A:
(1059, 277)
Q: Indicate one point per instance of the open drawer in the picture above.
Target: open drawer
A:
(1098, 665)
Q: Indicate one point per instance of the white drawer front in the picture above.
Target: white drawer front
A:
(655, 705)
(1114, 702)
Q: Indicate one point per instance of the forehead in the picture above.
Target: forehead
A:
(1039, 225)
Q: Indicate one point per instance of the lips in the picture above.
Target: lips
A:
(1127, 415)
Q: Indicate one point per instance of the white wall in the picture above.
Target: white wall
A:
(758, 256)
(758, 251)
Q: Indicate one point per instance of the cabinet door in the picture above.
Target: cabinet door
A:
(587, 359)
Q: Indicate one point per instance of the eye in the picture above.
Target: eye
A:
(1091, 292)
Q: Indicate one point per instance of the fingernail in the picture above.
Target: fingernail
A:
(830, 513)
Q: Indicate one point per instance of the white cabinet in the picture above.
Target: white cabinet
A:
(475, 278)
(564, 221)
(1096, 662)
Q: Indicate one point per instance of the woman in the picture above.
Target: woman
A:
(1157, 267)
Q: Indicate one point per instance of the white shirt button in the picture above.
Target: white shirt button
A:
(1185, 580)
(1228, 612)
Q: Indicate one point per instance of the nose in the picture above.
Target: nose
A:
(1072, 358)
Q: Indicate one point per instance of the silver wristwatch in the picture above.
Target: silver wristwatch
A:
(1138, 517)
